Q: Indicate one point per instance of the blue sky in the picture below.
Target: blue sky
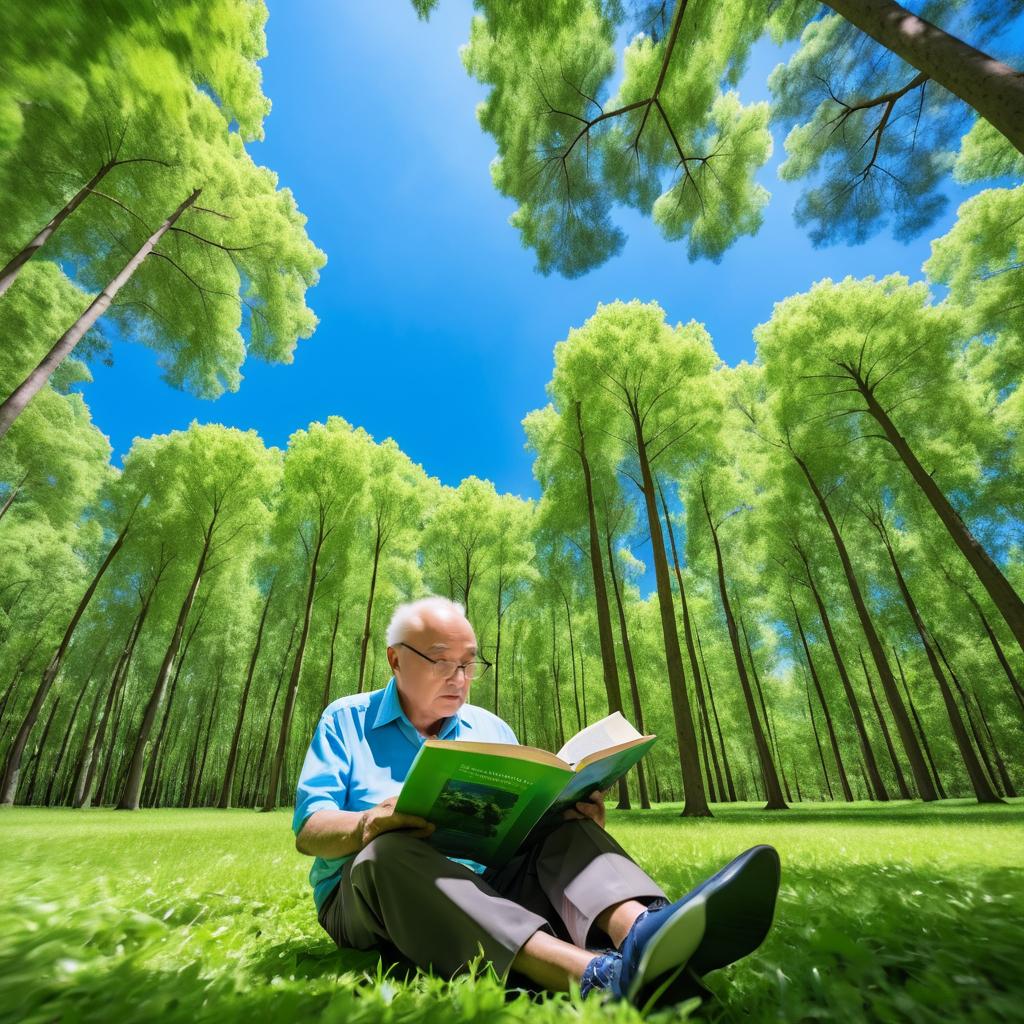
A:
(434, 327)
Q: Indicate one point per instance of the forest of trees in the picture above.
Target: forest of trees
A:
(835, 527)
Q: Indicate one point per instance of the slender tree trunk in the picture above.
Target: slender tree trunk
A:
(270, 801)
(627, 654)
(691, 651)
(1004, 775)
(773, 790)
(1005, 598)
(920, 728)
(133, 786)
(993, 89)
(9, 785)
(12, 407)
(85, 750)
(982, 790)
(899, 712)
(881, 793)
(830, 727)
(1015, 683)
(821, 753)
(901, 782)
(364, 642)
(197, 795)
(229, 772)
(71, 723)
(156, 756)
(329, 674)
(555, 672)
(15, 490)
(30, 789)
(604, 619)
(718, 724)
(10, 272)
(572, 657)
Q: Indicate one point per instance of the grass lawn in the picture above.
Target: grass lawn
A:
(908, 912)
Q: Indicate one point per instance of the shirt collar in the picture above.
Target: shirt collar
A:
(390, 709)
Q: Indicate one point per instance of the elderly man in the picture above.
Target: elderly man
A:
(571, 906)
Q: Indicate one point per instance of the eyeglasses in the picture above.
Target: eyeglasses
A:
(446, 669)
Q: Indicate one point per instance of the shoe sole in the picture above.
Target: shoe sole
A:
(739, 909)
(725, 921)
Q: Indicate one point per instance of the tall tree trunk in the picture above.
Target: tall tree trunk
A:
(12, 769)
(10, 272)
(830, 727)
(1005, 598)
(881, 793)
(364, 641)
(1004, 775)
(982, 790)
(270, 801)
(229, 772)
(30, 789)
(12, 407)
(15, 491)
(892, 695)
(156, 755)
(197, 794)
(695, 802)
(920, 728)
(555, 672)
(731, 789)
(993, 89)
(773, 790)
(84, 750)
(613, 689)
(1004, 663)
(627, 654)
(690, 650)
(572, 657)
(133, 786)
(901, 782)
(817, 743)
(58, 764)
(329, 674)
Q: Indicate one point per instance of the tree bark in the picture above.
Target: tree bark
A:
(817, 743)
(364, 642)
(773, 790)
(899, 713)
(1005, 598)
(730, 787)
(9, 785)
(832, 738)
(12, 406)
(920, 728)
(989, 86)
(133, 786)
(229, 772)
(30, 789)
(901, 782)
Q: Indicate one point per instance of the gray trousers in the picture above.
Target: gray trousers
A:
(400, 892)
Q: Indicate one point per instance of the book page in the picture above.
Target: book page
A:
(608, 732)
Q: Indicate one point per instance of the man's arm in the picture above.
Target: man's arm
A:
(331, 834)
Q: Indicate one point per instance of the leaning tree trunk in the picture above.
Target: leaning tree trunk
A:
(12, 406)
(817, 743)
(901, 782)
(691, 652)
(30, 789)
(609, 664)
(270, 801)
(993, 89)
(899, 713)
(730, 787)
(572, 657)
(10, 272)
(773, 790)
(329, 674)
(258, 777)
(364, 642)
(695, 801)
(1015, 683)
(1004, 775)
(229, 772)
(1005, 598)
(980, 784)
(920, 728)
(881, 793)
(627, 654)
(9, 785)
(133, 786)
(829, 726)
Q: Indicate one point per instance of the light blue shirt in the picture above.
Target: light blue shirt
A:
(361, 752)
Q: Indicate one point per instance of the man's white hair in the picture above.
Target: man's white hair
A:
(410, 615)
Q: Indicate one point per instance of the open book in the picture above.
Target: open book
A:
(485, 798)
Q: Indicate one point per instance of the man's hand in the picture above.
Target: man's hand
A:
(383, 818)
(592, 807)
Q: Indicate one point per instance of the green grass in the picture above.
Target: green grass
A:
(909, 912)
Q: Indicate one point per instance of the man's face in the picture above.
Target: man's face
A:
(427, 695)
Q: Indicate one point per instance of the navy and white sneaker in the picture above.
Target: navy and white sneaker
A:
(724, 918)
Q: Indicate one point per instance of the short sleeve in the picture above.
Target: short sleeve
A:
(322, 782)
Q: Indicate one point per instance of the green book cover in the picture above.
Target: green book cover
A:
(485, 798)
